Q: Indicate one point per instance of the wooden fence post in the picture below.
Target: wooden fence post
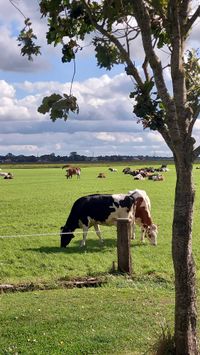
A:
(123, 245)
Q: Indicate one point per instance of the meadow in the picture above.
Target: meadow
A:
(125, 315)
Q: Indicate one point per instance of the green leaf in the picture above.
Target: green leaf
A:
(59, 106)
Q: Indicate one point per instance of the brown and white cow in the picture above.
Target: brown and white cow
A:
(73, 171)
(143, 216)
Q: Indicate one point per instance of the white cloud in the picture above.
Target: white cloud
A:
(6, 90)
(119, 137)
(105, 123)
(103, 136)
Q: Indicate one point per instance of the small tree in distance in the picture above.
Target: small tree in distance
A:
(113, 26)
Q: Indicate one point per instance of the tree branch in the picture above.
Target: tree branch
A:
(131, 67)
(196, 152)
(191, 21)
(144, 22)
(166, 136)
(17, 8)
(191, 125)
(143, 19)
(177, 15)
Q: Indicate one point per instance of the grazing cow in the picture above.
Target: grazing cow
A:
(73, 171)
(96, 209)
(113, 170)
(143, 216)
(66, 166)
(101, 175)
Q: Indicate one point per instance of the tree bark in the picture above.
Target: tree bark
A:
(184, 266)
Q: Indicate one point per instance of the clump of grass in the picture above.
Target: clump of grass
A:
(165, 344)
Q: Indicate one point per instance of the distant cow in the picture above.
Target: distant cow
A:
(156, 177)
(143, 216)
(126, 170)
(66, 166)
(73, 171)
(139, 177)
(113, 170)
(6, 175)
(93, 210)
(101, 175)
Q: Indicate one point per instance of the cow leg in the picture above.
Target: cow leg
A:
(98, 232)
(83, 241)
(133, 230)
(143, 231)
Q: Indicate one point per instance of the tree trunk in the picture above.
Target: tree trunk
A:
(185, 293)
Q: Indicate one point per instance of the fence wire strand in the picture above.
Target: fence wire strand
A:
(48, 234)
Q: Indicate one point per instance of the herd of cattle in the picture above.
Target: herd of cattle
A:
(147, 172)
(139, 174)
(105, 209)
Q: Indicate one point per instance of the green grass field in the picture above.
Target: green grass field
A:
(122, 317)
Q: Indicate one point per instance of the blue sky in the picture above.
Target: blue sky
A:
(105, 124)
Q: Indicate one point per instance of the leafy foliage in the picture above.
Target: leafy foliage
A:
(26, 40)
(59, 106)
(158, 13)
(192, 71)
(107, 54)
(148, 107)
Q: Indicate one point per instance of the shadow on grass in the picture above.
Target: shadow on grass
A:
(92, 246)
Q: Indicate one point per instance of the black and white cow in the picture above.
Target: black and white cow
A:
(93, 210)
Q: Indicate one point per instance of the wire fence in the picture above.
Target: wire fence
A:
(48, 234)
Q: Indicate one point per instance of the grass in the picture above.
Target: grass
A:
(84, 321)
(123, 317)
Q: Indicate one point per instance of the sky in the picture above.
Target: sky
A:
(105, 124)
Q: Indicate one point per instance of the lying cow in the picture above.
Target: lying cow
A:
(143, 216)
(101, 176)
(113, 170)
(6, 175)
(93, 210)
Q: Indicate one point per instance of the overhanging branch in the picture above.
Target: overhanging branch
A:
(196, 152)
(131, 67)
(191, 21)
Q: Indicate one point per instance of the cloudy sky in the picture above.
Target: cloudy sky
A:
(105, 124)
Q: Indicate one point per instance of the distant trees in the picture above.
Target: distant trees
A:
(52, 158)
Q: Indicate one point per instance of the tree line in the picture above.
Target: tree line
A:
(74, 157)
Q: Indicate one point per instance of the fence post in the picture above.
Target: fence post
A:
(123, 245)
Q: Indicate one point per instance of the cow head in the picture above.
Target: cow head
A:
(65, 237)
(151, 233)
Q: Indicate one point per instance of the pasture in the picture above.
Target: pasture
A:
(124, 315)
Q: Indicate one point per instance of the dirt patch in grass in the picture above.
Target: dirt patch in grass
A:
(61, 283)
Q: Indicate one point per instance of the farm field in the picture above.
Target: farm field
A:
(124, 315)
